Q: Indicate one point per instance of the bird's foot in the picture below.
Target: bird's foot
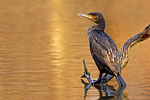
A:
(101, 82)
(104, 80)
(97, 83)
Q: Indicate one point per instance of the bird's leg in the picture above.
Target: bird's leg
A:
(122, 84)
(106, 78)
(120, 81)
(98, 81)
(104, 75)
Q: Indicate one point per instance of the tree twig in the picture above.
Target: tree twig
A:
(86, 73)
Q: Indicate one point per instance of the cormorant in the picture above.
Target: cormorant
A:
(103, 49)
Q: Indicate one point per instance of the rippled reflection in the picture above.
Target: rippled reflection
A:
(42, 44)
(105, 91)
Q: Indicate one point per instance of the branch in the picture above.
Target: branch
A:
(123, 57)
(86, 73)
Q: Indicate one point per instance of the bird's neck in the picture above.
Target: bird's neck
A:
(99, 27)
(101, 24)
(96, 28)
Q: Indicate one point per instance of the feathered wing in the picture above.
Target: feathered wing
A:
(123, 57)
(106, 51)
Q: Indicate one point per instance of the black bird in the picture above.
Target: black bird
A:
(103, 49)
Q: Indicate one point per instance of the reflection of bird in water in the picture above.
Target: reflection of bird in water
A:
(103, 49)
(106, 92)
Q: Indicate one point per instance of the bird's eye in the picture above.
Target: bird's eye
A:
(96, 17)
(90, 14)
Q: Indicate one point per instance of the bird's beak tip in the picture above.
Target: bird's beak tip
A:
(85, 15)
(79, 14)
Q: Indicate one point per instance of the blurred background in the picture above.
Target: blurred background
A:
(43, 42)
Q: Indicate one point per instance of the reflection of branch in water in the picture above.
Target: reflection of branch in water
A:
(86, 87)
(109, 91)
(105, 91)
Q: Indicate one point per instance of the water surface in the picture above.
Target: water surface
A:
(42, 44)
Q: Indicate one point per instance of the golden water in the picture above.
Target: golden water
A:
(43, 42)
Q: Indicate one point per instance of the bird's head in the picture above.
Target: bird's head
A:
(95, 17)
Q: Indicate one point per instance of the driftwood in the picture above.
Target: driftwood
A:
(123, 57)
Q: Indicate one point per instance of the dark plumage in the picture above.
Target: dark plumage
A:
(103, 49)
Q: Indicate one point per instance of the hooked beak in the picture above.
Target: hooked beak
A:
(86, 16)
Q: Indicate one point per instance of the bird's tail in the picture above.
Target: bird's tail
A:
(145, 34)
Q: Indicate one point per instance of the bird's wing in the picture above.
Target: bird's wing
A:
(106, 51)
